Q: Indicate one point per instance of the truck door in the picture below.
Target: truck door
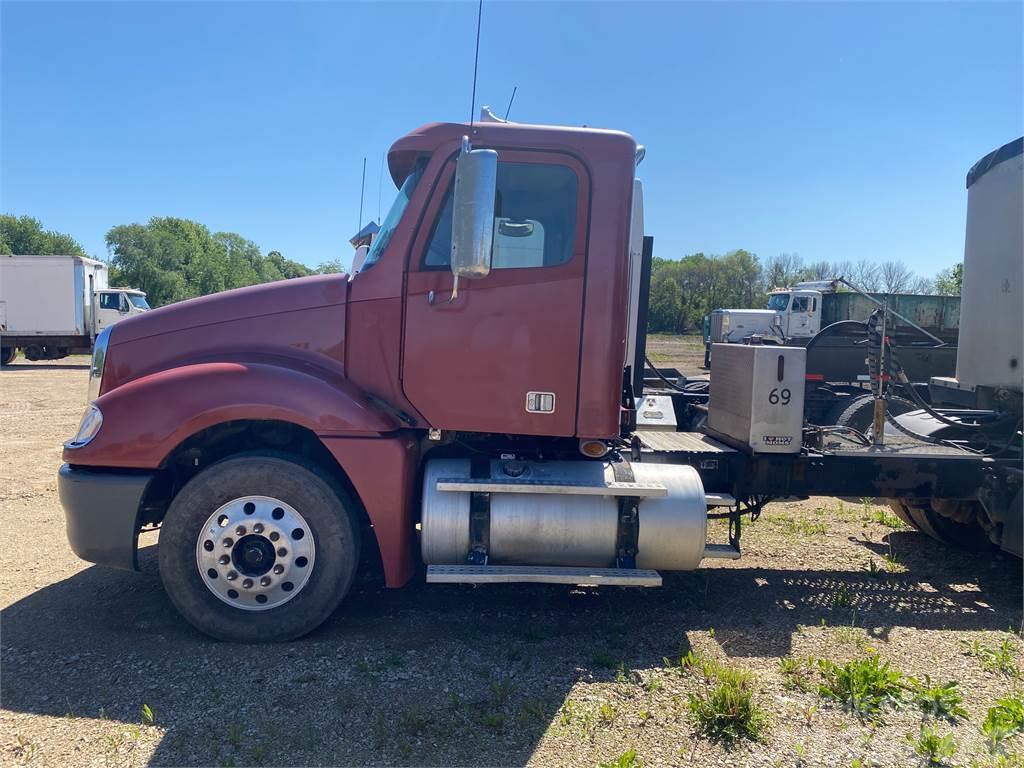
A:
(804, 316)
(503, 355)
(110, 307)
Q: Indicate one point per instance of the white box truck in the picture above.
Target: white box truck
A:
(54, 306)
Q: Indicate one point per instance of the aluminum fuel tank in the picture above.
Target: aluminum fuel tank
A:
(566, 529)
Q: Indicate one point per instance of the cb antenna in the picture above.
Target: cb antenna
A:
(514, 89)
(476, 61)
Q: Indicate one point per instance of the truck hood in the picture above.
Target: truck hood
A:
(238, 304)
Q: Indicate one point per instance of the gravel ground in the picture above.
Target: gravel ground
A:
(490, 676)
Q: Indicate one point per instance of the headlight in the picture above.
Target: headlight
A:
(99, 357)
(92, 420)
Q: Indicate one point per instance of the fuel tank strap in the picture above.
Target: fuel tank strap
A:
(629, 518)
(479, 513)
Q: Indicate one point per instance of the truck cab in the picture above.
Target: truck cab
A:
(798, 312)
(111, 305)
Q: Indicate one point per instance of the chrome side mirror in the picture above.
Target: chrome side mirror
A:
(476, 181)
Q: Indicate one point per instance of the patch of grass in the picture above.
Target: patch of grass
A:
(862, 686)
(797, 674)
(653, 684)
(604, 660)
(872, 570)
(842, 597)
(724, 708)
(893, 563)
(1001, 658)
(885, 518)
(413, 721)
(148, 718)
(607, 712)
(931, 747)
(25, 750)
(794, 526)
(1003, 720)
(934, 700)
(627, 759)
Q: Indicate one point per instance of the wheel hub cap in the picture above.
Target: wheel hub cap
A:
(255, 553)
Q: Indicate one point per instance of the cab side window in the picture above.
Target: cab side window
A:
(799, 304)
(534, 219)
(110, 301)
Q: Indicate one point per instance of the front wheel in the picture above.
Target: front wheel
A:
(258, 549)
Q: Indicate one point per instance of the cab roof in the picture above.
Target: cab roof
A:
(588, 143)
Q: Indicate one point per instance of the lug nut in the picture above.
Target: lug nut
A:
(229, 542)
(231, 576)
(282, 552)
(224, 559)
(278, 569)
(258, 528)
(265, 581)
(247, 584)
(274, 535)
(240, 530)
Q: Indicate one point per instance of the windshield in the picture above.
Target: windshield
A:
(387, 229)
(138, 300)
(778, 302)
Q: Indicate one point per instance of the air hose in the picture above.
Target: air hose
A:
(894, 370)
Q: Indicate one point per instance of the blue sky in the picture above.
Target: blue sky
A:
(834, 130)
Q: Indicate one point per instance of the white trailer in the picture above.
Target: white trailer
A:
(54, 306)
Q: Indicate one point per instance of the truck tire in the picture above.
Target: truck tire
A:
(953, 532)
(8, 355)
(258, 548)
(859, 411)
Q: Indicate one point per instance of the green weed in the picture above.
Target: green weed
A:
(627, 759)
(724, 709)
(931, 747)
(797, 674)
(863, 686)
(937, 700)
(1004, 720)
(1001, 658)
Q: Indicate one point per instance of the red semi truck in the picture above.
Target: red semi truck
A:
(467, 402)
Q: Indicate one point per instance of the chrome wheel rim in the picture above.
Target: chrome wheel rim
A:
(255, 553)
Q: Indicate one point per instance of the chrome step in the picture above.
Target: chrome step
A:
(719, 500)
(721, 552)
(541, 574)
(510, 485)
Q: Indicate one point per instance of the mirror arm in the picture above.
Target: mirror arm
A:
(455, 289)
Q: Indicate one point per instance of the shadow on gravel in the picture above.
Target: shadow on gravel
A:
(45, 367)
(439, 675)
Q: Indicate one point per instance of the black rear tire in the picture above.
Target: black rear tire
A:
(953, 533)
(328, 512)
(8, 355)
(860, 411)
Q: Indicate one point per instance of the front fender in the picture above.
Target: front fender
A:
(145, 419)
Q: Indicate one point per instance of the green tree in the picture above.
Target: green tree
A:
(25, 236)
(665, 305)
(173, 259)
(949, 282)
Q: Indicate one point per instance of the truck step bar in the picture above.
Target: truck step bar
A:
(721, 552)
(541, 574)
(719, 500)
(647, 490)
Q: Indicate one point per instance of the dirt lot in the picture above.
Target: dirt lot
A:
(685, 353)
(490, 676)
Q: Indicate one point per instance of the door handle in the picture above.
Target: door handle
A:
(431, 296)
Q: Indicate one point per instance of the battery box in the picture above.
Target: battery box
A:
(757, 395)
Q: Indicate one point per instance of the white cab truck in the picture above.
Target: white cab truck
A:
(55, 306)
